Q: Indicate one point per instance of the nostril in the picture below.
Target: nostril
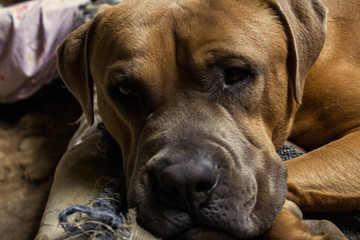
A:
(203, 186)
(208, 184)
(167, 189)
(173, 192)
(168, 182)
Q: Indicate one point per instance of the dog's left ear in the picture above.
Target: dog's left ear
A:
(305, 27)
(73, 68)
(73, 65)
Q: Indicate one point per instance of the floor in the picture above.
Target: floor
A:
(33, 136)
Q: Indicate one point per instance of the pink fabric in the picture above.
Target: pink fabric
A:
(29, 34)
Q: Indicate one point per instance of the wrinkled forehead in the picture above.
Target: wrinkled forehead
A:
(240, 27)
(140, 28)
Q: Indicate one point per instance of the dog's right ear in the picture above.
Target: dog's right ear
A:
(305, 26)
(73, 67)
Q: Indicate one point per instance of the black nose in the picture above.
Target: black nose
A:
(186, 184)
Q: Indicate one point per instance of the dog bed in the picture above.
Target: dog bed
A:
(88, 201)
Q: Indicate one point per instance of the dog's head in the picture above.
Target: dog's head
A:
(199, 94)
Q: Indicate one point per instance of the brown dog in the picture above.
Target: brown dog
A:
(199, 94)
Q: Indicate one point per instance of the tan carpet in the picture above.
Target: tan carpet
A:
(33, 136)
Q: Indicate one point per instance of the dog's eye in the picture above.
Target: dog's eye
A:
(124, 92)
(236, 74)
(125, 87)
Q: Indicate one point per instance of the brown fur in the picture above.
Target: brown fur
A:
(329, 120)
(159, 68)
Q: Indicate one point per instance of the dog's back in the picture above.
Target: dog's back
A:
(333, 83)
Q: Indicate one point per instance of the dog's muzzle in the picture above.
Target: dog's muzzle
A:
(203, 173)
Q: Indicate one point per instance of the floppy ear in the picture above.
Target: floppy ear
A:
(73, 68)
(305, 27)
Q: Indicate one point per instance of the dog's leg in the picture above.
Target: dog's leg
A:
(328, 178)
(290, 225)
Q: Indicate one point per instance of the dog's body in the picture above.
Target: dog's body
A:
(200, 94)
(329, 116)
